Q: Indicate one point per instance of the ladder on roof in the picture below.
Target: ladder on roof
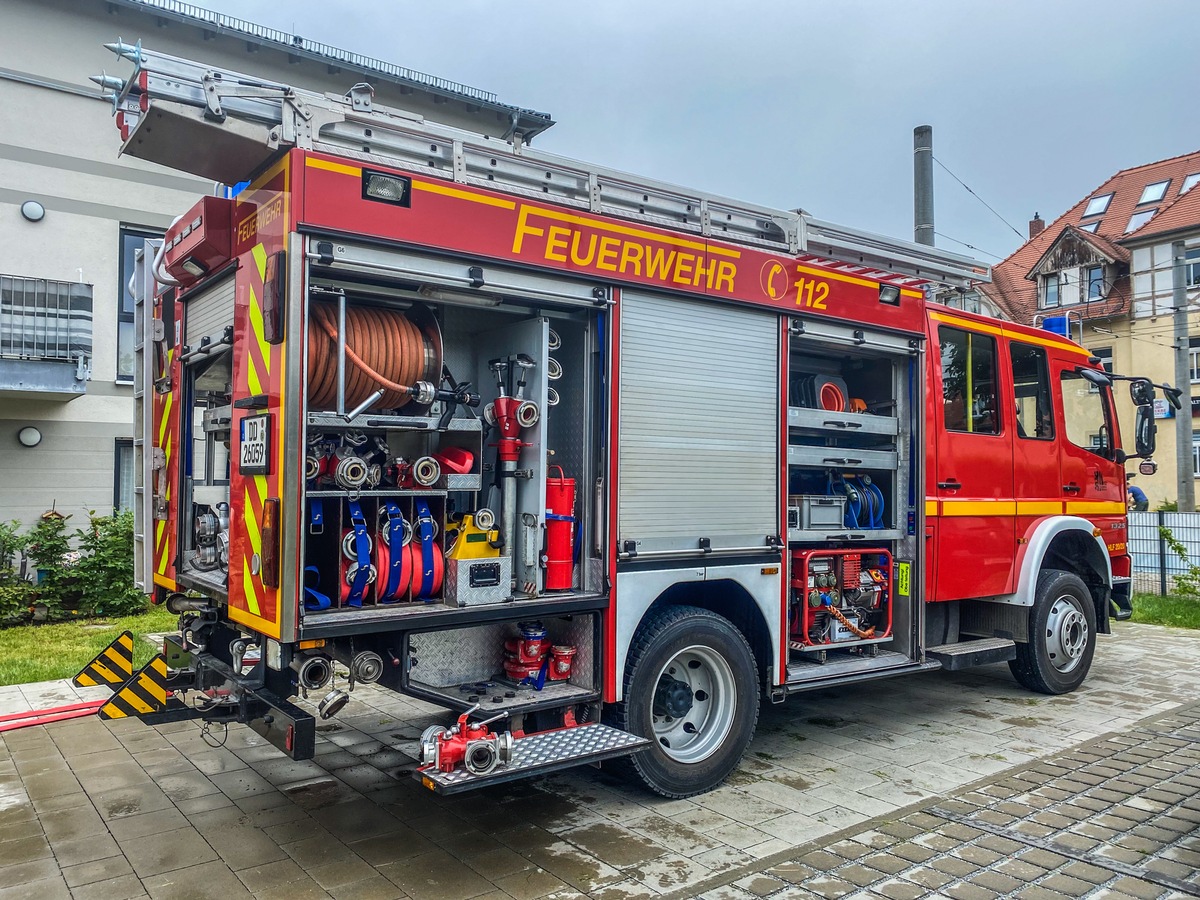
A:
(224, 125)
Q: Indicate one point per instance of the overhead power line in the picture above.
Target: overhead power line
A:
(971, 246)
(980, 199)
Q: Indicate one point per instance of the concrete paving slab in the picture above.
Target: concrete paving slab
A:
(960, 784)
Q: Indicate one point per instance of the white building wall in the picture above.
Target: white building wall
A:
(58, 145)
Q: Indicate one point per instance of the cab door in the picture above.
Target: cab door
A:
(1091, 482)
(973, 468)
(1037, 482)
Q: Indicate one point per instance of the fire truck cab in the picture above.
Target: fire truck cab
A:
(595, 463)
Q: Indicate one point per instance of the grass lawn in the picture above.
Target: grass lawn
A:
(1179, 612)
(47, 652)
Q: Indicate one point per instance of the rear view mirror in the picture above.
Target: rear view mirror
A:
(1141, 392)
(1144, 431)
(1095, 376)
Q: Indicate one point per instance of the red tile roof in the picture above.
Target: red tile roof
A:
(1016, 294)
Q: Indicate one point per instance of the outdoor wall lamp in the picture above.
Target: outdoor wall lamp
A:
(33, 211)
(29, 436)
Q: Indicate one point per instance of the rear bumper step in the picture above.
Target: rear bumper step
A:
(966, 654)
(539, 754)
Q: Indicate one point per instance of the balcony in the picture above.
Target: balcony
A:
(45, 338)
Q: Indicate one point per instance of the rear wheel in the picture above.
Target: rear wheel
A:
(1062, 635)
(691, 686)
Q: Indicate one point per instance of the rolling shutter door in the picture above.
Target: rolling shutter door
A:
(698, 424)
(209, 312)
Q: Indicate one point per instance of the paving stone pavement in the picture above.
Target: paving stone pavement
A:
(950, 785)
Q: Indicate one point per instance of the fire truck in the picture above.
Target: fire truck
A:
(597, 464)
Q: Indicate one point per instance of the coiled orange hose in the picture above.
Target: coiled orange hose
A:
(384, 349)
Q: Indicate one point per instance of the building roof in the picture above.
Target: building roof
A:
(1015, 290)
(526, 121)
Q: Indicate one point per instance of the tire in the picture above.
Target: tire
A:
(1062, 635)
(691, 686)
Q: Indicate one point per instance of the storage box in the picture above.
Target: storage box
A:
(475, 582)
(816, 512)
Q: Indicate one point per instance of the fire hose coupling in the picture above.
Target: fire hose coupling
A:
(479, 750)
(426, 471)
(528, 414)
(313, 672)
(367, 667)
(351, 473)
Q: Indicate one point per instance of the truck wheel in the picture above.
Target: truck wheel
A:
(691, 686)
(1062, 635)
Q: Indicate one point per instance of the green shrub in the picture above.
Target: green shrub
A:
(49, 548)
(12, 545)
(1187, 584)
(104, 574)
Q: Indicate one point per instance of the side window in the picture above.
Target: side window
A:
(1084, 418)
(1031, 386)
(969, 390)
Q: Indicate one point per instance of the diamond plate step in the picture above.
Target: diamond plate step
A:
(965, 654)
(539, 754)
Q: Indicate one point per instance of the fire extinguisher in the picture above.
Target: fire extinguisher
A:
(560, 531)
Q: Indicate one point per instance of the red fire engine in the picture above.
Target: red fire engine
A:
(595, 462)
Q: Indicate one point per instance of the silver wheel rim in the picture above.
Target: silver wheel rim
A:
(694, 735)
(1066, 633)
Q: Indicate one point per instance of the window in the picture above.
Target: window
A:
(1138, 219)
(1191, 268)
(1090, 226)
(131, 240)
(1190, 182)
(1050, 291)
(969, 381)
(1094, 276)
(1195, 454)
(123, 474)
(1152, 193)
(1194, 358)
(1084, 419)
(1031, 386)
(1097, 205)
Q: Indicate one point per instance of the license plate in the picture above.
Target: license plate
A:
(254, 454)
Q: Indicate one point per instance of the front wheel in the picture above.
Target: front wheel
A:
(1062, 635)
(691, 686)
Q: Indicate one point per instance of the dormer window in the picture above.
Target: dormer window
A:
(1050, 291)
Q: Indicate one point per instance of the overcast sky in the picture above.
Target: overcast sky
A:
(1033, 102)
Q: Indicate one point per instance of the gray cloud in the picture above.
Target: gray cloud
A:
(1033, 102)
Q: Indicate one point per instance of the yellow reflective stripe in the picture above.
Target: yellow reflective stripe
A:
(1004, 332)
(1101, 507)
(164, 581)
(931, 508)
(1039, 507)
(431, 187)
(979, 507)
(340, 168)
(851, 279)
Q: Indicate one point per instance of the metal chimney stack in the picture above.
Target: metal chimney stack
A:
(923, 184)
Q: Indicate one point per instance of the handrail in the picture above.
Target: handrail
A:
(317, 48)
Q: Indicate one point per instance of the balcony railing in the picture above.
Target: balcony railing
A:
(42, 319)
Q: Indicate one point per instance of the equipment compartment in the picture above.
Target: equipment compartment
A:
(416, 397)
(484, 664)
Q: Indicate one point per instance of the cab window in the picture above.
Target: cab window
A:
(1084, 419)
(1031, 388)
(969, 390)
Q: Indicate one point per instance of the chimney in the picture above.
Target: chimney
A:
(1036, 226)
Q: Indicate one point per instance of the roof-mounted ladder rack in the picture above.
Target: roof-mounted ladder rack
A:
(225, 125)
